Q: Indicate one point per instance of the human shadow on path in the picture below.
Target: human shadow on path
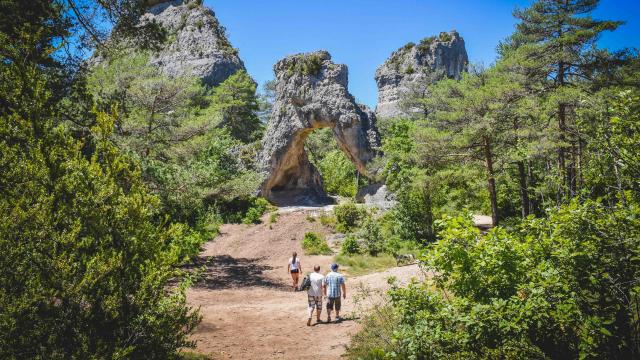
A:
(226, 272)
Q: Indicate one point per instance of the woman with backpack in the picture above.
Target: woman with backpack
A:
(294, 269)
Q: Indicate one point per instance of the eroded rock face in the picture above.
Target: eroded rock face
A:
(413, 67)
(311, 93)
(197, 44)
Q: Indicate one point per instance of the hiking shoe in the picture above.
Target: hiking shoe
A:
(338, 319)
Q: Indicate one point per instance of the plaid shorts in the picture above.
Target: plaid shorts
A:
(331, 302)
(315, 302)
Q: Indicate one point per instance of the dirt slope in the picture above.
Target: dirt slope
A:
(248, 308)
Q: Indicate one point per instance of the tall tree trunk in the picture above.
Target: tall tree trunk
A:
(562, 128)
(531, 181)
(491, 181)
(524, 192)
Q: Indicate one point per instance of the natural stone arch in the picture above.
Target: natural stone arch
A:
(311, 93)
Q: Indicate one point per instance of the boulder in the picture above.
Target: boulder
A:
(311, 93)
(377, 195)
(413, 67)
(197, 44)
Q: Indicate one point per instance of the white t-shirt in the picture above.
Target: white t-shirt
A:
(294, 265)
(316, 284)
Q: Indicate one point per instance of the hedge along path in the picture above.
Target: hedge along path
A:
(245, 298)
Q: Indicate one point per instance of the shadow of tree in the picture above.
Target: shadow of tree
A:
(227, 272)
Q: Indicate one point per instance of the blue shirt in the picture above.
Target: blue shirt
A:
(333, 280)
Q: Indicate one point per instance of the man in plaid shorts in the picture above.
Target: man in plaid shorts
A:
(315, 293)
(334, 287)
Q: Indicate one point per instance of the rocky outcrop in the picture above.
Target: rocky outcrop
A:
(311, 93)
(413, 67)
(197, 44)
(377, 195)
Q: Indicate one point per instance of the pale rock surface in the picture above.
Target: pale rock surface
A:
(311, 93)
(197, 43)
(413, 67)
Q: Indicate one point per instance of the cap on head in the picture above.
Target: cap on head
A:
(334, 267)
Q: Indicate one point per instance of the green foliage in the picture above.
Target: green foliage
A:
(258, 207)
(192, 158)
(84, 267)
(85, 270)
(350, 245)
(561, 288)
(414, 216)
(425, 44)
(307, 65)
(328, 219)
(409, 70)
(338, 172)
(372, 236)
(273, 217)
(362, 264)
(348, 216)
(236, 102)
(315, 244)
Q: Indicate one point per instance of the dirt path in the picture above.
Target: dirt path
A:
(248, 308)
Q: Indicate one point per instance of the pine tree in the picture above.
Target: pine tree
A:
(555, 39)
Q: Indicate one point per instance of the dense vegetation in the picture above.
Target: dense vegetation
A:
(546, 140)
(111, 176)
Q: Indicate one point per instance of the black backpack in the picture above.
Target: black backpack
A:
(306, 283)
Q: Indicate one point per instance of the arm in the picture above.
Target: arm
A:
(344, 290)
(288, 267)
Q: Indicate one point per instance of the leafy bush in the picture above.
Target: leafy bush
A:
(348, 215)
(315, 244)
(338, 174)
(350, 245)
(328, 219)
(308, 65)
(258, 207)
(558, 288)
(370, 232)
(414, 216)
(273, 217)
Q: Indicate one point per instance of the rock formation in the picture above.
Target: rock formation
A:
(197, 44)
(411, 68)
(311, 93)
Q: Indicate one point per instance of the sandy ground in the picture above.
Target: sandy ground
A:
(249, 310)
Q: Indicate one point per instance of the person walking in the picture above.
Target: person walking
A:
(334, 287)
(314, 294)
(294, 269)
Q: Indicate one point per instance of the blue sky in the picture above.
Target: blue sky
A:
(363, 33)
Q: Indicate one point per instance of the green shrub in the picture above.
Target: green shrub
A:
(350, 246)
(564, 287)
(348, 215)
(373, 240)
(199, 24)
(308, 65)
(315, 244)
(273, 217)
(328, 219)
(258, 207)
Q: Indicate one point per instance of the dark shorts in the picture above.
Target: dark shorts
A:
(295, 271)
(334, 302)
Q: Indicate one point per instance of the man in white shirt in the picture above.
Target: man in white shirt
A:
(315, 293)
